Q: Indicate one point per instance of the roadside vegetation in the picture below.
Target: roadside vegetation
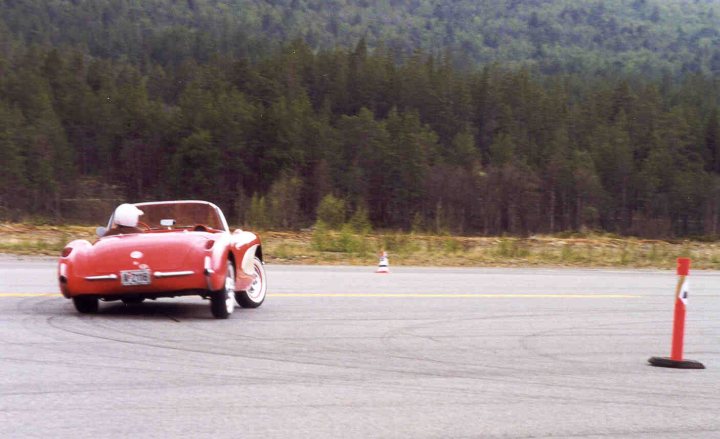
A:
(350, 245)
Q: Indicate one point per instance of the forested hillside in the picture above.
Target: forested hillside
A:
(633, 36)
(115, 100)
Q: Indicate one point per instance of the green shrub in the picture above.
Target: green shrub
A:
(321, 239)
(360, 222)
(344, 241)
(349, 241)
(331, 211)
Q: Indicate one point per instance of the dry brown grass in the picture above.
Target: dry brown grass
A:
(430, 250)
(336, 247)
(40, 240)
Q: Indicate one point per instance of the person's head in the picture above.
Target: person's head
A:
(127, 215)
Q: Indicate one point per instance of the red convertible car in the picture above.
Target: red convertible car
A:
(165, 249)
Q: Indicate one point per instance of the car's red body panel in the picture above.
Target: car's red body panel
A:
(180, 262)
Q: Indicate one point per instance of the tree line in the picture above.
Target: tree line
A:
(647, 36)
(415, 143)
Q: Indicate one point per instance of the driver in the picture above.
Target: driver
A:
(125, 220)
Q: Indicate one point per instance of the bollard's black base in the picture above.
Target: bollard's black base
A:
(677, 364)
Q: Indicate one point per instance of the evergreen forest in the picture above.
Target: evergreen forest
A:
(470, 117)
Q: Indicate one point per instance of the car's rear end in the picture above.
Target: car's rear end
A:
(169, 248)
(160, 264)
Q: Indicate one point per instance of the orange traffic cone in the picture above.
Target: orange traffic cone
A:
(384, 264)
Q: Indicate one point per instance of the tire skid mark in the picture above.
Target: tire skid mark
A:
(480, 365)
(93, 321)
(536, 335)
(156, 343)
(444, 374)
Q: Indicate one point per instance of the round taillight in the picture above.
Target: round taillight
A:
(209, 244)
(66, 252)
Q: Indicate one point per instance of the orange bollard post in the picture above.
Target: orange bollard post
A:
(681, 297)
(683, 270)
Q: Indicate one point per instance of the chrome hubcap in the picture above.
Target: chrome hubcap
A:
(255, 290)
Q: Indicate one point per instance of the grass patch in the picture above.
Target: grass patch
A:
(513, 248)
(348, 246)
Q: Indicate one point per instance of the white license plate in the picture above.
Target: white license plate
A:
(135, 277)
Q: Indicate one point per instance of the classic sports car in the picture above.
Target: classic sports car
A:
(169, 249)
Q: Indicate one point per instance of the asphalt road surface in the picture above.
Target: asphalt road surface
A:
(344, 352)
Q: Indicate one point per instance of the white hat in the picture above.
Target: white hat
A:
(127, 215)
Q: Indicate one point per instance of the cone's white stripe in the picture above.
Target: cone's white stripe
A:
(684, 291)
(383, 264)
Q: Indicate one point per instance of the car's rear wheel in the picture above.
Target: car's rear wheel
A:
(222, 303)
(86, 305)
(255, 294)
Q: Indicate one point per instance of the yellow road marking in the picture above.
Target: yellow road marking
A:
(406, 296)
(30, 294)
(460, 296)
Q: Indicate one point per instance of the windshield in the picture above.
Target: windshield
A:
(181, 214)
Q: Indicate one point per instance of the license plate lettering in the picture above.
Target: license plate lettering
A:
(135, 277)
